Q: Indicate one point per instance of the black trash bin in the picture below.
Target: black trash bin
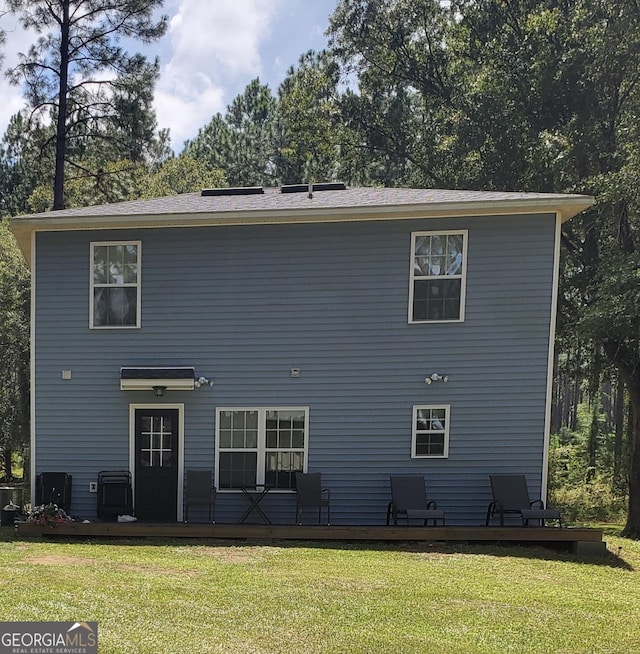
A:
(9, 515)
(11, 494)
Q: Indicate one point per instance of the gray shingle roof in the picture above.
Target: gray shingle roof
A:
(274, 200)
(272, 206)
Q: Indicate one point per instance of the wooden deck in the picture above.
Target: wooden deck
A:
(522, 535)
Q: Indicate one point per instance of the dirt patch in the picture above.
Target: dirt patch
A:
(237, 555)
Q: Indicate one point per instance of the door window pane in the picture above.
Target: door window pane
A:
(155, 442)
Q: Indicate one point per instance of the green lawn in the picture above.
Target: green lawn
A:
(209, 596)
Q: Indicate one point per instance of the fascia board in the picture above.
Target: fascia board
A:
(566, 207)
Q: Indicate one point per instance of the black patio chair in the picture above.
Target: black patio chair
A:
(311, 495)
(409, 501)
(511, 498)
(199, 490)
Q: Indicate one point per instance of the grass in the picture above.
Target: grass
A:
(211, 596)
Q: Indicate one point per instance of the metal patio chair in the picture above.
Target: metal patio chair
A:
(115, 494)
(199, 490)
(409, 501)
(311, 495)
(511, 498)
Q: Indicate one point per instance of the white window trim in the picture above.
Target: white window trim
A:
(137, 285)
(463, 275)
(447, 420)
(262, 440)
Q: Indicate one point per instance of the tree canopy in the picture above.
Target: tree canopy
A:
(14, 350)
(78, 75)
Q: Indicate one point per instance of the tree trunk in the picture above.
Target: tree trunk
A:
(619, 435)
(626, 360)
(594, 427)
(556, 403)
(61, 124)
(7, 456)
(632, 528)
(575, 401)
(592, 446)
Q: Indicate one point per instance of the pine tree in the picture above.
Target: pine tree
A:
(77, 72)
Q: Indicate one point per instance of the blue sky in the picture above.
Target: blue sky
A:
(212, 50)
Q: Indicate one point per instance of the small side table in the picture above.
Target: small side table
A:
(255, 495)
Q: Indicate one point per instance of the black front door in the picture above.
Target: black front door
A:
(156, 464)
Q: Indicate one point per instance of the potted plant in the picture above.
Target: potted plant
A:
(48, 514)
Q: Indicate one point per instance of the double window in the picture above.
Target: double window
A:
(430, 437)
(115, 284)
(258, 446)
(438, 275)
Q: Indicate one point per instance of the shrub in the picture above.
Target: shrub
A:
(592, 501)
(581, 492)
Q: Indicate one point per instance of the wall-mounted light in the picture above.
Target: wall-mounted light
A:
(203, 381)
(435, 377)
(158, 391)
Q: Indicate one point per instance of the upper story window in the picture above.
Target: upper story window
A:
(438, 276)
(115, 284)
(430, 438)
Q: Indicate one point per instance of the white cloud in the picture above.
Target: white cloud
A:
(212, 50)
(184, 114)
(213, 47)
(222, 37)
(18, 40)
(12, 102)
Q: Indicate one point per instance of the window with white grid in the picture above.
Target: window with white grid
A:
(115, 285)
(438, 276)
(430, 437)
(156, 442)
(260, 446)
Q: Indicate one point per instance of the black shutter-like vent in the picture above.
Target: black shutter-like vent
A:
(303, 188)
(240, 190)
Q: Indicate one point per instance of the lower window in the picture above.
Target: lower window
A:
(430, 436)
(260, 446)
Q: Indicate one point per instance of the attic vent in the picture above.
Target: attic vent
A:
(239, 190)
(303, 188)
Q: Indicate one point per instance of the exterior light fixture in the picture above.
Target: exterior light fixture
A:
(435, 377)
(203, 381)
(158, 391)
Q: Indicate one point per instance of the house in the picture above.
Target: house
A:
(358, 332)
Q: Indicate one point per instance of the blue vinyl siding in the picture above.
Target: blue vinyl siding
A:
(245, 304)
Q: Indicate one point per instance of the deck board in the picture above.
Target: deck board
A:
(315, 532)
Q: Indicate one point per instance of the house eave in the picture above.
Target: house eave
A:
(564, 206)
